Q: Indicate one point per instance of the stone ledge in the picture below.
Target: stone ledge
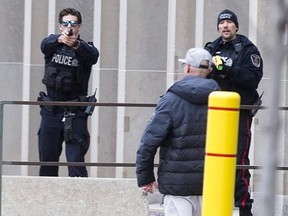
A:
(64, 196)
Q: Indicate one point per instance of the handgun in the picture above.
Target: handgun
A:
(70, 32)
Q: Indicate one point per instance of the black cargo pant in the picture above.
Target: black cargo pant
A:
(242, 195)
(51, 138)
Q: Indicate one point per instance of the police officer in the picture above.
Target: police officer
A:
(68, 64)
(238, 67)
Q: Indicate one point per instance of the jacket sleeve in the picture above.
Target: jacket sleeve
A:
(156, 131)
(88, 52)
(248, 73)
(49, 44)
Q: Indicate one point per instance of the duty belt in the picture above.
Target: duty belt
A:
(43, 97)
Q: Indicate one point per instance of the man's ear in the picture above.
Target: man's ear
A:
(60, 27)
(187, 68)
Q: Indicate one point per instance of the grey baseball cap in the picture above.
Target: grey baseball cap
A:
(195, 56)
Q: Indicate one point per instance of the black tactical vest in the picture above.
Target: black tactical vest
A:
(61, 72)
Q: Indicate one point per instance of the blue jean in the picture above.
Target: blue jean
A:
(51, 138)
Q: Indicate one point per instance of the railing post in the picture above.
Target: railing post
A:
(1, 150)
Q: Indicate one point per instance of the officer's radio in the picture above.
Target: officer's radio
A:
(89, 109)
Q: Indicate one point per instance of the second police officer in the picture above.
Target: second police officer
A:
(238, 67)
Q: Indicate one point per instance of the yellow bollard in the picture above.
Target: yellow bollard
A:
(221, 153)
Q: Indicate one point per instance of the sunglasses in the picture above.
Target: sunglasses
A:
(73, 23)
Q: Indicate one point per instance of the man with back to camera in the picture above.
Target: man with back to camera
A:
(68, 64)
(178, 127)
(238, 67)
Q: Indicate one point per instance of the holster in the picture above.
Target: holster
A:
(43, 97)
(68, 127)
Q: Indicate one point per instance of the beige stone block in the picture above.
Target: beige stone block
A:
(64, 196)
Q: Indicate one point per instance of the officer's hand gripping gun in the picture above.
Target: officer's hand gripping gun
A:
(89, 109)
(70, 32)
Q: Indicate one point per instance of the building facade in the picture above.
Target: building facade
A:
(139, 43)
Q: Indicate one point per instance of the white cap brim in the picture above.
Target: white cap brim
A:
(182, 60)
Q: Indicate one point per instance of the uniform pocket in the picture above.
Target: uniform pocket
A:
(64, 81)
(50, 77)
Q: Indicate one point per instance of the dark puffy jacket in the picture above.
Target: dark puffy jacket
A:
(178, 127)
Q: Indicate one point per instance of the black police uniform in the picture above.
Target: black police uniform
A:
(242, 72)
(67, 72)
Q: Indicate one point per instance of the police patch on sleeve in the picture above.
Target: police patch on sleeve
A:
(255, 60)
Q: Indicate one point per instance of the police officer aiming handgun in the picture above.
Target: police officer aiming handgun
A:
(68, 64)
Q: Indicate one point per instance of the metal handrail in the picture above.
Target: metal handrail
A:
(64, 103)
(59, 103)
(111, 164)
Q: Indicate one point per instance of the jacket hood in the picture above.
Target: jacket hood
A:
(194, 89)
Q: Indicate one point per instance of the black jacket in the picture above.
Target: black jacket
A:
(178, 127)
(246, 71)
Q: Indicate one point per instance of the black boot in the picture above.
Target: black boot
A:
(245, 211)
